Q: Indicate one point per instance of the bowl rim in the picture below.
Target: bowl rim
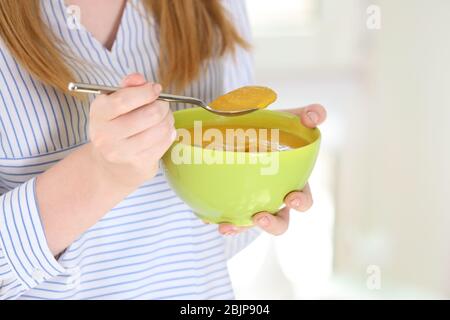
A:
(317, 139)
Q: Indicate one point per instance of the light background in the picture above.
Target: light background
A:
(382, 182)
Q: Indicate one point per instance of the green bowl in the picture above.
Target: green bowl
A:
(242, 184)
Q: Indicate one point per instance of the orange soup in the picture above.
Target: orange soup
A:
(244, 139)
(249, 97)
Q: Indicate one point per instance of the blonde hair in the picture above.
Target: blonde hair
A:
(191, 31)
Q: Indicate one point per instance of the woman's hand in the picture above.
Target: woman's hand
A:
(130, 131)
(311, 116)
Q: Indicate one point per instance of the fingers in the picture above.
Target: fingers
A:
(150, 143)
(312, 115)
(228, 229)
(129, 98)
(140, 119)
(300, 200)
(279, 223)
(273, 224)
(159, 137)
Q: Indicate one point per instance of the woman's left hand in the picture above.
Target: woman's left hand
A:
(311, 116)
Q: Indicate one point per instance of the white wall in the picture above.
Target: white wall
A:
(382, 184)
(393, 207)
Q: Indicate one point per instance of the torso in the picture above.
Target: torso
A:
(151, 245)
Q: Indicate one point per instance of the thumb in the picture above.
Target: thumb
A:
(133, 80)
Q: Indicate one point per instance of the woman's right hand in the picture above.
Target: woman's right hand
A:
(130, 131)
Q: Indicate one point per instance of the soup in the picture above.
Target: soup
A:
(249, 97)
(243, 139)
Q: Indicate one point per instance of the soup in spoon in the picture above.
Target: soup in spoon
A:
(249, 97)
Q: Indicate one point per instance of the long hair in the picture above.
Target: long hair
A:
(190, 32)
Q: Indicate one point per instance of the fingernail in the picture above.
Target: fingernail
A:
(157, 88)
(229, 229)
(126, 78)
(295, 203)
(314, 117)
(263, 222)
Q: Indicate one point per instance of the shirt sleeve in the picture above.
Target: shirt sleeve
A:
(25, 258)
(234, 244)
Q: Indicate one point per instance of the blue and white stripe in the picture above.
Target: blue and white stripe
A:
(151, 245)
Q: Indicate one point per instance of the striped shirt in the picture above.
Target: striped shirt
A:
(151, 245)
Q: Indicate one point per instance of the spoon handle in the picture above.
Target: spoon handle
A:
(100, 89)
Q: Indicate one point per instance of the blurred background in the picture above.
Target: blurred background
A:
(379, 228)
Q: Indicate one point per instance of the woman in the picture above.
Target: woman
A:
(85, 212)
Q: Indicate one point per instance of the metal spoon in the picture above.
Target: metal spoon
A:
(99, 89)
